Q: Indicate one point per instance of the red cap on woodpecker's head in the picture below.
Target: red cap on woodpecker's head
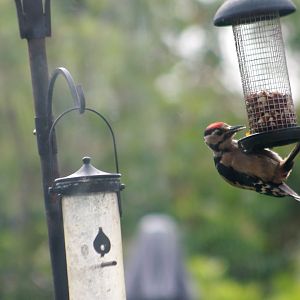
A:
(221, 127)
(216, 125)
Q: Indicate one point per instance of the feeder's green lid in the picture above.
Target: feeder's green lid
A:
(232, 10)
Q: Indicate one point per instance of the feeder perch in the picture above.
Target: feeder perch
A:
(262, 62)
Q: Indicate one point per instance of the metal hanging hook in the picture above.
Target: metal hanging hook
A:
(112, 135)
(94, 112)
(76, 90)
(79, 105)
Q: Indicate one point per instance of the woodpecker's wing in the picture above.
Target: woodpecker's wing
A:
(263, 165)
(235, 178)
(269, 153)
(245, 181)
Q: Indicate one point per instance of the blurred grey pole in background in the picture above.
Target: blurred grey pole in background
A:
(155, 270)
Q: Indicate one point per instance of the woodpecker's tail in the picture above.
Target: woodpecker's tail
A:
(289, 161)
(289, 192)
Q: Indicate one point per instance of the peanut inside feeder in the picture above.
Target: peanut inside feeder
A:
(268, 111)
(265, 80)
(264, 73)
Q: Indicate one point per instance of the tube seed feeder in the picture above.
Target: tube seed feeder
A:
(263, 69)
(90, 207)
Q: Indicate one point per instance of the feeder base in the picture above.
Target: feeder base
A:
(279, 137)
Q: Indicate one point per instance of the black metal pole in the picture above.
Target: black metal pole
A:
(34, 23)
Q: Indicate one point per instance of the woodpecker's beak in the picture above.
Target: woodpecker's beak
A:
(234, 129)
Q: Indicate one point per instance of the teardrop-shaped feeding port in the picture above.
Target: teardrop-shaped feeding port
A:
(101, 243)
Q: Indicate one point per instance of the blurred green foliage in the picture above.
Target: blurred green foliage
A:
(155, 69)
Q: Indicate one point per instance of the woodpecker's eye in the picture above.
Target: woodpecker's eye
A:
(218, 131)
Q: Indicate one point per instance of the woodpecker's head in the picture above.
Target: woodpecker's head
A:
(218, 136)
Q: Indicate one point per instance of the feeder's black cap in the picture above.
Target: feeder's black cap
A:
(86, 180)
(235, 9)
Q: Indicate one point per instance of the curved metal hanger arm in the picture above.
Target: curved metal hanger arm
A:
(76, 90)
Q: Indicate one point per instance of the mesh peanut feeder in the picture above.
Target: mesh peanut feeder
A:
(265, 80)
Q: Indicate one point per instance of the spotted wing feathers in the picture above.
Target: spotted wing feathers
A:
(253, 183)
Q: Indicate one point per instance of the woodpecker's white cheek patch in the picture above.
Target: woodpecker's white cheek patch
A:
(212, 139)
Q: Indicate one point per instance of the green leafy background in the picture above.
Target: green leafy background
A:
(157, 71)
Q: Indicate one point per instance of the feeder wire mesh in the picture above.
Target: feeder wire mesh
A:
(264, 73)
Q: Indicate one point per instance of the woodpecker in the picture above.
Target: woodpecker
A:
(263, 171)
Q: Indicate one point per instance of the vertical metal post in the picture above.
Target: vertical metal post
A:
(35, 25)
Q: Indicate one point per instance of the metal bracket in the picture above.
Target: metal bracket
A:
(76, 90)
(42, 124)
(34, 18)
